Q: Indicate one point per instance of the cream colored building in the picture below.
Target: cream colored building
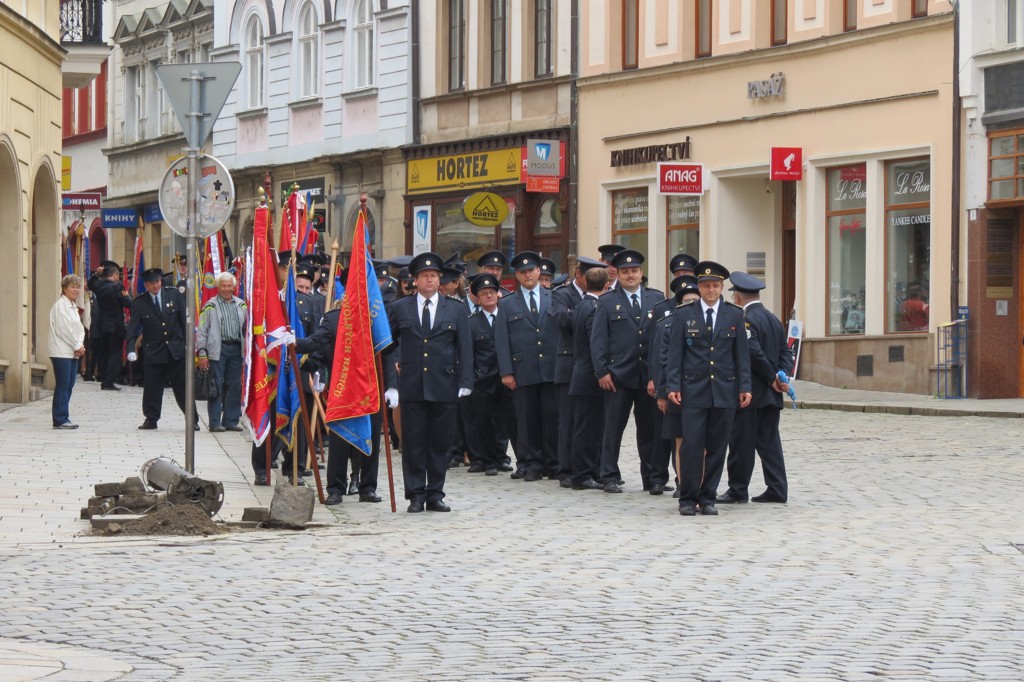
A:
(30, 162)
(858, 248)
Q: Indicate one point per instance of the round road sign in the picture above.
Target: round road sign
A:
(215, 196)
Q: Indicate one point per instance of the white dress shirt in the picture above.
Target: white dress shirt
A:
(704, 308)
(421, 301)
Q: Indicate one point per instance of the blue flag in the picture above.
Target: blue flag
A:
(288, 406)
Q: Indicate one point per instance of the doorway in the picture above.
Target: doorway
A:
(788, 225)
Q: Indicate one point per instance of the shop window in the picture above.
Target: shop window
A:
(847, 248)
(455, 233)
(682, 227)
(499, 21)
(703, 27)
(456, 45)
(630, 33)
(630, 219)
(849, 15)
(908, 242)
(542, 38)
(1006, 166)
(549, 218)
(779, 22)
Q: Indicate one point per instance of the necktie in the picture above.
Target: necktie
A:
(533, 304)
(636, 306)
(711, 319)
(490, 318)
(426, 315)
(159, 308)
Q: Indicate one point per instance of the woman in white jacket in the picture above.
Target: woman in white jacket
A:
(67, 345)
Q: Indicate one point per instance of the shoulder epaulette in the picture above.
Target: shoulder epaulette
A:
(654, 291)
(732, 304)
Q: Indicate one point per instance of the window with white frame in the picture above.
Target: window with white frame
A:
(363, 27)
(254, 62)
(131, 111)
(309, 46)
(542, 38)
(1012, 17)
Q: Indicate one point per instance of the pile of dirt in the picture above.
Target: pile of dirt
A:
(170, 520)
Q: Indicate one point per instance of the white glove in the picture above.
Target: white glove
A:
(318, 386)
(391, 397)
(288, 338)
(463, 392)
(132, 357)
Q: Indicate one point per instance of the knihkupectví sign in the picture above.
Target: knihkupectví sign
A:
(120, 217)
(680, 178)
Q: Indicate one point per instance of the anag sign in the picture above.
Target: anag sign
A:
(681, 178)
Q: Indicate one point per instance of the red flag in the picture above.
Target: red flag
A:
(209, 289)
(354, 391)
(289, 223)
(266, 322)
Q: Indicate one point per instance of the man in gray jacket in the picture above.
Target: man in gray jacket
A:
(219, 341)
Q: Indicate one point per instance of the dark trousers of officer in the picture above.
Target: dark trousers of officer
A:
(299, 452)
(508, 427)
(587, 434)
(757, 430)
(566, 425)
(488, 417)
(364, 468)
(259, 452)
(427, 429)
(705, 430)
(111, 347)
(537, 417)
(467, 439)
(157, 375)
(617, 404)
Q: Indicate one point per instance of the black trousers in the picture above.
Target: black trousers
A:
(537, 418)
(705, 430)
(757, 429)
(566, 425)
(653, 462)
(157, 375)
(467, 440)
(364, 468)
(295, 457)
(427, 429)
(111, 347)
(508, 427)
(587, 433)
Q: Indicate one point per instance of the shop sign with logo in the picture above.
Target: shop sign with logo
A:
(315, 187)
(543, 158)
(421, 229)
(681, 178)
(485, 209)
(65, 173)
(120, 217)
(774, 86)
(787, 163)
(462, 171)
(80, 201)
(151, 214)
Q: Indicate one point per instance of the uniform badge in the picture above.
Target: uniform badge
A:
(617, 306)
(689, 342)
(181, 290)
(650, 314)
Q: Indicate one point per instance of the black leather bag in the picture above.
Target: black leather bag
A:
(206, 387)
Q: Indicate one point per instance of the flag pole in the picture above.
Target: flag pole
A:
(305, 423)
(386, 432)
(335, 247)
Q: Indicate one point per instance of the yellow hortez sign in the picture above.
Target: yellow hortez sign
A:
(462, 171)
(485, 209)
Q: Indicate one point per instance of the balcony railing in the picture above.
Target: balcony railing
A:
(81, 22)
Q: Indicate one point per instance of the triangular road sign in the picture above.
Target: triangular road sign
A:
(217, 79)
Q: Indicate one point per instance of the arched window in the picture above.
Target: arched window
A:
(309, 47)
(254, 62)
(363, 26)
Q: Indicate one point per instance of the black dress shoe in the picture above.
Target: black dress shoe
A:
(369, 497)
(148, 425)
(476, 468)
(675, 495)
(415, 507)
(620, 482)
(261, 480)
(657, 489)
(518, 473)
(353, 488)
(490, 472)
(729, 498)
(565, 482)
(589, 484)
(287, 479)
(612, 487)
(109, 387)
(505, 467)
(767, 497)
(668, 487)
(306, 473)
(333, 499)
(531, 476)
(438, 506)
(708, 510)
(454, 464)
(687, 509)
(195, 427)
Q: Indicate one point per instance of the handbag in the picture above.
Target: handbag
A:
(205, 386)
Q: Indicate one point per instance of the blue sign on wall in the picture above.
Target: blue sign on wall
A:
(152, 214)
(120, 217)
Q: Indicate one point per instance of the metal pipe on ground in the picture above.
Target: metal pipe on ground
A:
(181, 486)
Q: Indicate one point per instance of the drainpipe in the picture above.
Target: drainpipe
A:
(574, 138)
(415, 71)
(954, 279)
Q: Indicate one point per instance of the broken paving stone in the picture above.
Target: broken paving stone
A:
(292, 506)
(257, 514)
(133, 485)
(109, 489)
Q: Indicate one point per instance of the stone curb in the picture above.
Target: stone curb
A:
(905, 410)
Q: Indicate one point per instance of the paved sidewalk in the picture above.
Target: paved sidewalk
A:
(815, 396)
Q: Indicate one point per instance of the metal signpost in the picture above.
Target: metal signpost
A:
(197, 93)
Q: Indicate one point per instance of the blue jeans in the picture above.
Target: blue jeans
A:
(65, 370)
(228, 371)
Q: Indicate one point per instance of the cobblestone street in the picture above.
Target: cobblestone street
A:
(895, 559)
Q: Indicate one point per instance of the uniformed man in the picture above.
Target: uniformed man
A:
(111, 302)
(682, 264)
(563, 300)
(548, 269)
(708, 374)
(608, 252)
(526, 340)
(388, 284)
(757, 425)
(618, 346)
(493, 263)
(310, 310)
(158, 315)
(433, 348)
(491, 398)
(584, 391)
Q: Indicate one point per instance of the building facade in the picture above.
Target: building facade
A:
(323, 102)
(30, 162)
(858, 247)
(490, 76)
